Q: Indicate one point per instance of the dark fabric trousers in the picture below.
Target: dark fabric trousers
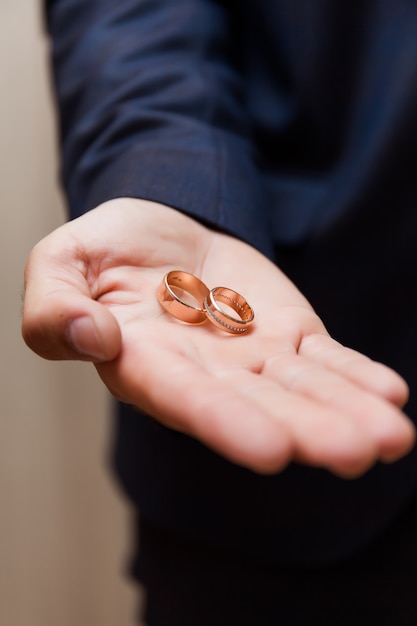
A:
(188, 585)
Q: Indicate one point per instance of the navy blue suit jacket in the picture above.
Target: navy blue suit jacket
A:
(290, 124)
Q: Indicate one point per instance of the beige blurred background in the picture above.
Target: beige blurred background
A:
(64, 532)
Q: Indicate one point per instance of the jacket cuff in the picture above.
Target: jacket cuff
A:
(207, 184)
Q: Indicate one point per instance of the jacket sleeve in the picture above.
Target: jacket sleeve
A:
(151, 105)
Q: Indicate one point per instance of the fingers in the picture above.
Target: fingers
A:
(355, 367)
(381, 430)
(292, 409)
(322, 436)
(60, 318)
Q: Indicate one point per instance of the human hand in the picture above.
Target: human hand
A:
(284, 391)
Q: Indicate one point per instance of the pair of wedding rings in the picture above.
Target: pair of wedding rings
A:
(188, 299)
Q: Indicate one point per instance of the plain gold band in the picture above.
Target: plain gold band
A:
(234, 324)
(171, 301)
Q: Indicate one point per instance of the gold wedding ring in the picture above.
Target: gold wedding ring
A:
(174, 296)
(219, 303)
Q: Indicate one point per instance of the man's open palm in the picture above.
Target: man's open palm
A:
(284, 391)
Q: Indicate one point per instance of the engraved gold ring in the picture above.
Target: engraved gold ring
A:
(228, 310)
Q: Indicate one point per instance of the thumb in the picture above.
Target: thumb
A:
(67, 324)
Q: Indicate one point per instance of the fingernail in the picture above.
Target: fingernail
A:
(84, 338)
